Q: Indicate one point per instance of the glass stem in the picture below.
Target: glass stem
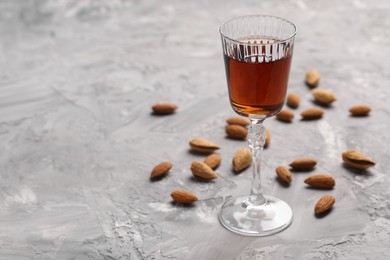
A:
(256, 139)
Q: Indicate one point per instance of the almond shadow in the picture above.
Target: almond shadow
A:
(357, 171)
(324, 214)
(200, 180)
(282, 183)
(161, 115)
(183, 205)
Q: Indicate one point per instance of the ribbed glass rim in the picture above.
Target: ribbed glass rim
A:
(259, 15)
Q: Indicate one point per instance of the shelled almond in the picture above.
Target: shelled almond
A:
(161, 169)
(360, 110)
(293, 100)
(312, 78)
(283, 174)
(285, 115)
(242, 159)
(357, 160)
(303, 164)
(203, 146)
(323, 96)
(203, 171)
(213, 160)
(237, 120)
(164, 108)
(236, 131)
(324, 204)
(183, 196)
(267, 137)
(322, 181)
(312, 113)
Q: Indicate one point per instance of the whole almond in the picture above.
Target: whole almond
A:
(324, 204)
(236, 131)
(356, 159)
(312, 78)
(164, 108)
(324, 96)
(312, 113)
(184, 197)
(360, 110)
(213, 160)
(285, 115)
(203, 146)
(284, 174)
(242, 159)
(267, 137)
(202, 170)
(303, 164)
(321, 181)
(293, 100)
(161, 169)
(237, 120)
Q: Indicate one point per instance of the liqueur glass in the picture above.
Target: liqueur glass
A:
(257, 52)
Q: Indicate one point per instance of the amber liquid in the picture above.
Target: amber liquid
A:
(257, 88)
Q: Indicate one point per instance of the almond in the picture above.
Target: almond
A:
(312, 113)
(360, 110)
(182, 196)
(161, 169)
(237, 120)
(203, 145)
(267, 137)
(312, 78)
(356, 159)
(324, 204)
(242, 159)
(164, 108)
(303, 164)
(213, 160)
(324, 96)
(284, 174)
(293, 100)
(321, 181)
(202, 170)
(285, 115)
(236, 131)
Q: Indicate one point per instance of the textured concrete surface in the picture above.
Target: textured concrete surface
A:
(78, 142)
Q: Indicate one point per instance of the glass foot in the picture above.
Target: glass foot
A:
(241, 217)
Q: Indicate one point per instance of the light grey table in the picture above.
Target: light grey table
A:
(78, 142)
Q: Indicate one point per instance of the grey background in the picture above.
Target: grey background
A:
(78, 142)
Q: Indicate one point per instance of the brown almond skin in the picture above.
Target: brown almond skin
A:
(360, 110)
(293, 100)
(285, 115)
(184, 197)
(164, 108)
(213, 160)
(324, 204)
(236, 132)
(312, 78)
(203, 171)
(203, 146)
(284, 174)
(236, 120)
(242, 159)
(321, 181)
(357, 160)
(267, 137)
(324, 96)
(161, 169)
(304, 164)
(312, 113)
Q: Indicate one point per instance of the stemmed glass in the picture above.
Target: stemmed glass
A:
(257, 52)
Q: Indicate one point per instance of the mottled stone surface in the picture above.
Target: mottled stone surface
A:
(78, 142)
